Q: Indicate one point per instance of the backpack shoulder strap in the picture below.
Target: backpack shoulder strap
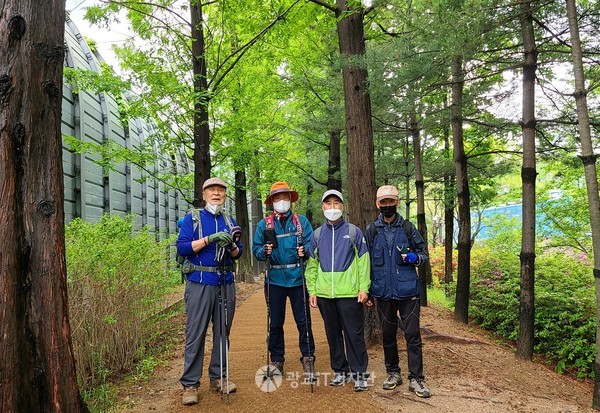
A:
(269, 221)
(408, 229)
(317, 233)
(371, 233)
(352, 233)
(228, 220)
(196, 220)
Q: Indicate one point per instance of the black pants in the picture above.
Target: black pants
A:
(345, 324)
(277, 297)
(410, 311)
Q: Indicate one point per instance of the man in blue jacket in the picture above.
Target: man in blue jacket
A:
(285, 275)
(204, 235)
(396, 248)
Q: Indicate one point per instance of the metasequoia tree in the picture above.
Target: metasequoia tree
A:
(359, 130)
(37, 373)
(588, 157)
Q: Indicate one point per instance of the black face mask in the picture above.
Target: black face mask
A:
(388, 211)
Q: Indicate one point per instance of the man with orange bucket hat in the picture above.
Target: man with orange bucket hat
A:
(282, 239)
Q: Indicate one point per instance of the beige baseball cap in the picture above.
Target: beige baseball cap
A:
(214, 181)
(387, 191)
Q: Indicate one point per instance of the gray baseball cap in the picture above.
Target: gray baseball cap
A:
(333, 192)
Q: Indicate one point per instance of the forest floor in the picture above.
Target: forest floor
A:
(465, 368)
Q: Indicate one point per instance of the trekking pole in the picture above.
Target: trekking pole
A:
(269, 238)
(306, 314)
(223, 342)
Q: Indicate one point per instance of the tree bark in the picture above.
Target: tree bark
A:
(244, 263)
(449, 195)
(528, 175)
(461, 308)
(425, 269)
(588, 158)
(334, 171)
(38, 366)
(202, 160)
(359, 131)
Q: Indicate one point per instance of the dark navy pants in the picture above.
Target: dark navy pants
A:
(277, 300)
(410, 311)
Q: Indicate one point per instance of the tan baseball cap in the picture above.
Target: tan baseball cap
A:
(387, 191)
(214, 181)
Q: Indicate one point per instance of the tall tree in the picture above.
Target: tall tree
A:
(463, 276)
(201, 128)
(588, 157)
(359, 129)
(528, 176)
(424, 270)
(38, 366)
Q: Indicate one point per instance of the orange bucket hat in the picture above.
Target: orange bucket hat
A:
(278, 188)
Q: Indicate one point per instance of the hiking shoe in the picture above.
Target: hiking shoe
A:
(392, 381)
(190, 396)
(219, 385)
(361, 385)
(276, 365)
(418, 387)
(339, 379)
(308, 365)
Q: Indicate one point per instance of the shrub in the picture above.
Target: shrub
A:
(565, 306)
(117, 281)
(565, 321)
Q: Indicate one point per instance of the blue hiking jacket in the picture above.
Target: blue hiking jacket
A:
(206, 256)
(286, 268)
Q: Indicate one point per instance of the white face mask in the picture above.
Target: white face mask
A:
(213, 209)
(332, 214)
(282, 206)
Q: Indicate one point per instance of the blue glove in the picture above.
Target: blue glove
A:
(411, 258)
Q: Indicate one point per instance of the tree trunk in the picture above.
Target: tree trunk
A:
(528, 174)
(38, 366)
(201, 128)
(588, 158)
(334, 171)
(425, 269)
(407, 176)
(244, 264)
(461, 308)
(449, 196)
(359, 131)
(257, 214)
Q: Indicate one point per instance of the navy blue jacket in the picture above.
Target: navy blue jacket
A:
(391, 277)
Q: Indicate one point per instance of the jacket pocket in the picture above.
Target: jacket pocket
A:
(377, 257)
(407, 288)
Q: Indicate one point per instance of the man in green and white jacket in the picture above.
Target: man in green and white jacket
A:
(338, 281)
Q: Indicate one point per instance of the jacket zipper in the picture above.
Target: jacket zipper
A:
(332, 258)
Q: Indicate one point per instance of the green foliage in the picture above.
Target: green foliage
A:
(565, 321)
(117, 281)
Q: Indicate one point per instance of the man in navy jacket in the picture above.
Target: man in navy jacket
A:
(396, 248)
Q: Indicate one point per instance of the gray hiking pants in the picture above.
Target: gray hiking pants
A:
(202, 305)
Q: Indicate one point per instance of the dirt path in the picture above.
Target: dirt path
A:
(466, 372)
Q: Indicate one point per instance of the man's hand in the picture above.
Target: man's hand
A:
(267, 249)
(313, 301)
(222, 238)
(301, 251)
(363, 297)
